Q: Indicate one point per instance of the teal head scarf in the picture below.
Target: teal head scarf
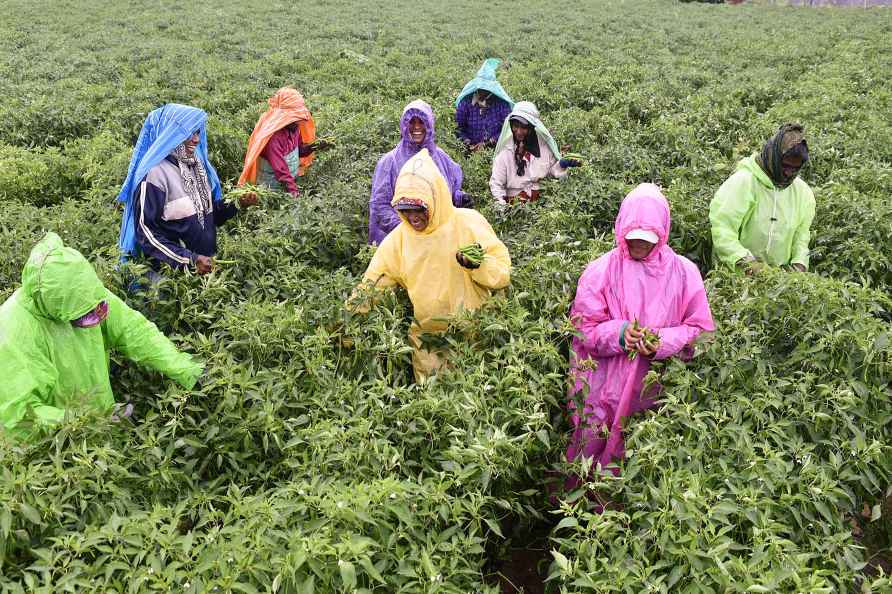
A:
(486, 81)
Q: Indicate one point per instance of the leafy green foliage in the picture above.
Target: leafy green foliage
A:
(303, 465)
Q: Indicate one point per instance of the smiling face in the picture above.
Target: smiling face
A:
(520, 132)
(639, 249)
(191, 143)
(417, 218)
(417, 130)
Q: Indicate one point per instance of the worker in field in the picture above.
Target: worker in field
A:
(55, 335)
(172, 198)
(424, 254)
(481, 108)
(637, 303)
(282, 145)
(525, 154)
(762, 214)
(417, 133)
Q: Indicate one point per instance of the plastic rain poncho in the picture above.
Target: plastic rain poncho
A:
(382, 216)
(751, 216)
(47, 364)
(664, 292)
(424, 262)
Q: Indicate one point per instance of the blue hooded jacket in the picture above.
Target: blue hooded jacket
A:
(164, 129)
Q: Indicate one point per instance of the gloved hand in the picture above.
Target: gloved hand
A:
(565, 163)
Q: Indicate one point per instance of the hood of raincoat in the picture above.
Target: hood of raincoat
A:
(420, 179)
(646, 208)
(58, 283)
(645, 284)
(486, 80)
(285, 107)
(420, 109)
(164, 129)
(528, 111)
(751, 164)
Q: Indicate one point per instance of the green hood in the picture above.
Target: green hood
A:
(58, 282)
(750, 164)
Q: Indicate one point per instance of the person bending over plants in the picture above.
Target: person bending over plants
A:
(282, 145)
(481, 108)
(417, 133)
(526, 153)
(172, 198)
(762, 214)
(430, 254)
(638, 302)
(55, 335)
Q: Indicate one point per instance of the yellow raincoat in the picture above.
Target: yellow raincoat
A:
(425, 265)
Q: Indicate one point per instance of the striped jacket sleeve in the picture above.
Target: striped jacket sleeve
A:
(152, 241)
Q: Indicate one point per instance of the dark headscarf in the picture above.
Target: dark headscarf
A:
(789, 140)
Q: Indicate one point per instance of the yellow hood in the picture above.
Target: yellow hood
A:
(420, 179)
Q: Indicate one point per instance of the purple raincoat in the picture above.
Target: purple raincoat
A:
(382, 216)
(664, 292)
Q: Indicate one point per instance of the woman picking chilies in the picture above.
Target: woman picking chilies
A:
(172, 199)
(447, 258)
(282, 145)
(526, 153)
(416, 134)
(638, 302)
(763, 213)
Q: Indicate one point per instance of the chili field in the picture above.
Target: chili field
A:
(302, 465)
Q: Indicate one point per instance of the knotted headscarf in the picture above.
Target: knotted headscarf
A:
(789, 140)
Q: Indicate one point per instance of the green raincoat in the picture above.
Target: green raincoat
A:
(47, 364)
(750, 216)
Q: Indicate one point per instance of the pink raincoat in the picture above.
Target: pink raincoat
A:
(664, 292)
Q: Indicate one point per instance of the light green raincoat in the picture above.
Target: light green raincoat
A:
(47, 364)
(750, 216)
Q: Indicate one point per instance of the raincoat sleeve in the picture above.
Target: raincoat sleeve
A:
(495, 270)
(461, 122)
(28, 380)
(697, 318)
(727, 212)
(591, 316)
(274, 152)
(498, 181)
(455, 177)
(802, 235)
(131, 334)
(150, 237)
(381, 212)
(381, 274)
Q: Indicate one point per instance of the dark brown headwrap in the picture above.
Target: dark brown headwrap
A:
(789, 139)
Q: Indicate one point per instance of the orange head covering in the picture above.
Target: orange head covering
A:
(285, 107)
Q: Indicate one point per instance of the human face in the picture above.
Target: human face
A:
(417, 130)
(191, 143)
(417, 218)
(519, 131)
(483, 95)
(639, 249)
(93, 318)
(790, 165)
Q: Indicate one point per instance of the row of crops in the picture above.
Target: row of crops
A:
(305, 466)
